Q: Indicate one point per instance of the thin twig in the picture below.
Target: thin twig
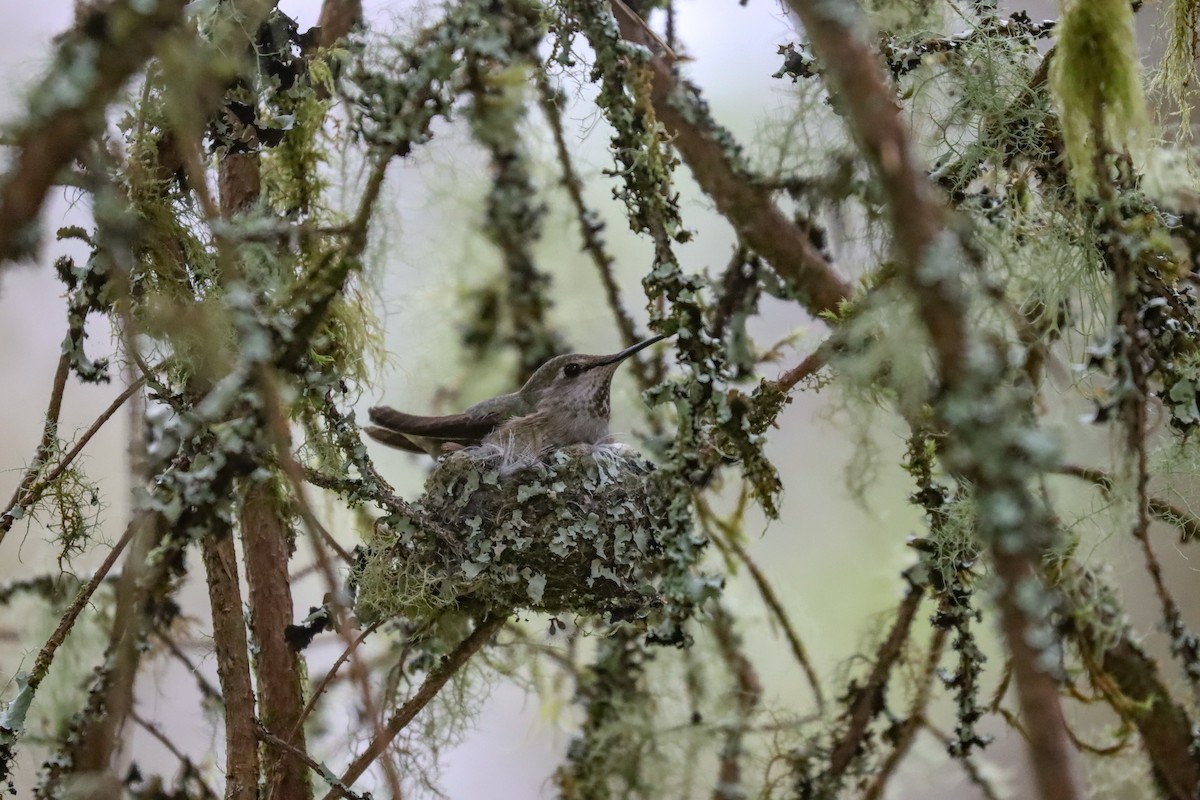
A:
(189, 769)
(1187, 523)
(274, 741)
(114, 44)
(747, 695)
(324, 683)
(750, 209)
(42, 663)
(434, 682)
(49, 434)
(811, 365)
(768, 595)
(916, 717)
(209, 692)
(868, 699)
(26, 495)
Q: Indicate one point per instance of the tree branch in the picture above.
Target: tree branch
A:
(1130, 682)
(267, 545)
(868, 700)
(932, 274)
(433, 684)
(49, 434)
(748, 207)
(29, 492)
(233, 666)
(94, 60)
(337, 19)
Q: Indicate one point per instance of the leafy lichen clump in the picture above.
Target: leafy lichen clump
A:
(582, 531)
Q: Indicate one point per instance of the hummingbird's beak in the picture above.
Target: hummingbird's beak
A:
(617, 358)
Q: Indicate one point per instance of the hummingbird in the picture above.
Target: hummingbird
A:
(564, 402)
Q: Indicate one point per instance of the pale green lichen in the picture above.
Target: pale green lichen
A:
(1177, 71)
(1096, 78)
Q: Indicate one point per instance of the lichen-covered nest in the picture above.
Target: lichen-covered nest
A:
(590, 529)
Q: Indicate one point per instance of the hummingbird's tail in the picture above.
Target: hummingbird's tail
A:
(434, 436)
(394, 439)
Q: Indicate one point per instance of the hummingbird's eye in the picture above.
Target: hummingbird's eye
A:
(572, 370)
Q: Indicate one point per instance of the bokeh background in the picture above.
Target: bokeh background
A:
(835, 555)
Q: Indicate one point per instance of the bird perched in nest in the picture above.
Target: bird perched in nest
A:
(564, 402)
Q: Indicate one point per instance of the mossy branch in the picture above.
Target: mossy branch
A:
(972, 378)
(750, 209)
(93, 61)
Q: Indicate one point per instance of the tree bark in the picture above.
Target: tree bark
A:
(233, 666)
(266, 546)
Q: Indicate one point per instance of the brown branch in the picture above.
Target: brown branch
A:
(1187, 523)
(337, 19)
(233, 665)
(27, 494)
(377, 490)
(45, 656)
(207, 691)
(93, 62)
(266, 548)
(729, 543)
(767, 592)
(748, 694)
(49, 434)
(1133, 374)
(434, 682)
(867, 701)
(810, 366)
(90, 748)
(1129, 680)
(916, 717)
(277, 425)
(324, 683)
(302, 757)
(917, 218)
(189, 769)
(750, 208)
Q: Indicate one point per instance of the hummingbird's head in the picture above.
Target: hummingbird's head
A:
(578, 381)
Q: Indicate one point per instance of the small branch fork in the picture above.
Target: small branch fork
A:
(32, 487)
(749, 208)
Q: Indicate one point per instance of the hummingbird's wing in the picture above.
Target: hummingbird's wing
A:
(470, 426)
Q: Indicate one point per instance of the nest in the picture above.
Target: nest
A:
(590, 529)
